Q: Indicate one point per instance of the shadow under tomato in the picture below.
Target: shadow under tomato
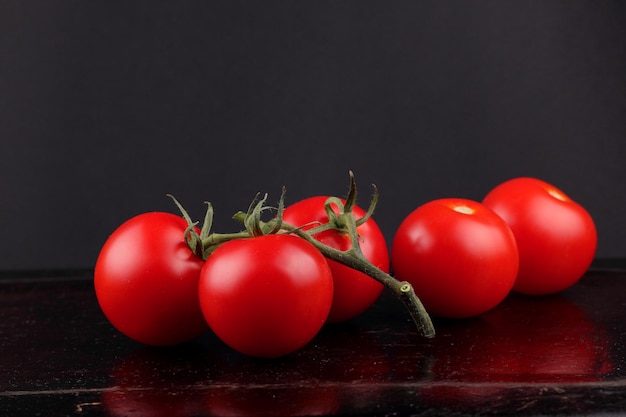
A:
(155, 382)
(313, 381)
(207, 378)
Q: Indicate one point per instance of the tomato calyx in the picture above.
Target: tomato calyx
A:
(252, 221)
(191, 236)
(202, 244)
(339, 212)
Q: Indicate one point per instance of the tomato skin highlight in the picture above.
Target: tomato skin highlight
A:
(266, 296)
(354, 291)
(460, 257)
(556, 236)
(146, 281)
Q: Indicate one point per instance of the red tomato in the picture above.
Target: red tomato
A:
(146, 281)
(460, 257)
(556, 237)
(266, 296)
(355, 292)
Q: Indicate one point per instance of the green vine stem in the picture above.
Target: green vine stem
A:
(205, 243)
(354, 258)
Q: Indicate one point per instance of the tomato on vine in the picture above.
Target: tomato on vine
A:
(556, 236)
(265, 291)
(459, 255)
(266, 296)
(354, 291)
(146, 281)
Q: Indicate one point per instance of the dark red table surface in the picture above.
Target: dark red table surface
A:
(557, 355)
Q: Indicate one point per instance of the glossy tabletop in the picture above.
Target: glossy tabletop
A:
(557, 355)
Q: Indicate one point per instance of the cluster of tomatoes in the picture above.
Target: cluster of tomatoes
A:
(161, 281)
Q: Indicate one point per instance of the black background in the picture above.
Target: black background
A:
(107, 106)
